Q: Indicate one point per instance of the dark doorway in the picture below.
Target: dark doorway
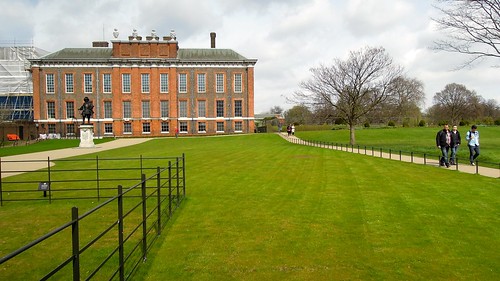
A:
(21, 132)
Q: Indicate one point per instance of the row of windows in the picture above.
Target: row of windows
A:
(146, 127)
(145, 83)
(146, 109)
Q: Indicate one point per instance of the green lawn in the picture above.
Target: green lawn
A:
(260, 208)
(418, 140)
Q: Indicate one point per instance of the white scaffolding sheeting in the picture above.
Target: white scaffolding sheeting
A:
(14, 65)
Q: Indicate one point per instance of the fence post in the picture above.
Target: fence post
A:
(477, 167)
(50, 184)
(121, 253)
(177, 177)
(158, 201)
(144, 216)
(400, 156)
(169, 189)
(75, 237)
(97, 177)
(183, 176)
(425, 160)
(1, 192)
(390, 154)
(411, 153)
(381, 153)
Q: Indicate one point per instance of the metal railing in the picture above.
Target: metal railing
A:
(424, 158)
(136, 217)
(64, 179)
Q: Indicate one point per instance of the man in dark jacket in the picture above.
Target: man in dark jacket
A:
(443, 141)
(455, 142)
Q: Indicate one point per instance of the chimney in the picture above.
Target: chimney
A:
(100, 44)
(212, 40)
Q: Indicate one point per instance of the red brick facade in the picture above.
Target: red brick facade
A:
(210, 91)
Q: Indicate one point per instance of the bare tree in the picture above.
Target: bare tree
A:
(472, 28)
(456, 102)
(353, 87)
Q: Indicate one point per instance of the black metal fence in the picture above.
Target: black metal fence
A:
(109, 241)
(408, 156)
(64, 179)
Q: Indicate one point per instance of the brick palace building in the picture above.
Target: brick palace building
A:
(143, 88)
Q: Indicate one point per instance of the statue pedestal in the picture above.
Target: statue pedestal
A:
(87, 136)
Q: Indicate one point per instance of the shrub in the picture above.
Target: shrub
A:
(367, 125)
(497, 122)
(391, 124)
(464, 123)
(421, 123)
(339, 121)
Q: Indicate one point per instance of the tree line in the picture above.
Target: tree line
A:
(368, 87)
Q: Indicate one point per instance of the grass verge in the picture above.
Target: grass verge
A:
(260, 208)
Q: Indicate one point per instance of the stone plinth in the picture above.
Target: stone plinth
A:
(87, 136)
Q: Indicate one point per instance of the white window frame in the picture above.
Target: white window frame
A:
(238, 83)
(219, 82)
(163, 82)
(202, 108)
(50, 83)
(127, 110)
(146, 109)
(70, 110)
(69, 84)
(145, 83)
(106, 83)
(51, 110)
(183, 108)
(88, 83)
(183, 83)
(108, 109)
(126, 83)
(202, 82)
(164, 108)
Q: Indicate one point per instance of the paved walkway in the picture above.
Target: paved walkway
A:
(38, 160)
(484, 171)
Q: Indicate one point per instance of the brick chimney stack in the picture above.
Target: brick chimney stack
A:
(212, 40)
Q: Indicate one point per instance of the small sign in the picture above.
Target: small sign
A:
(44, 186)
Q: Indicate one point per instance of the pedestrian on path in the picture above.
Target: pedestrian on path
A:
(455, 142)
(473, 143)
(443, 141)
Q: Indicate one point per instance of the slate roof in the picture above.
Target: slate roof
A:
(182, 54)
(80, 54)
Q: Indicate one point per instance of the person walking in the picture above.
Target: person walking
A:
(455, 142)
(443, 141)
(472, 138)
(293, 129)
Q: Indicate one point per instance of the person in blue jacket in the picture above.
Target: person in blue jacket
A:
(473, 143)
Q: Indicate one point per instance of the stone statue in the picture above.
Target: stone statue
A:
(87, 109)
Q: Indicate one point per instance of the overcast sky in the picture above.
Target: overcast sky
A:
(287, 37)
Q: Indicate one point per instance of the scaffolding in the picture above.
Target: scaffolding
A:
(16, 86)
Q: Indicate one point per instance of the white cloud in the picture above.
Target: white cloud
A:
(288, 37)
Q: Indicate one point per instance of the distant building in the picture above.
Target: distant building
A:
(16, 90)
(145, 88)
